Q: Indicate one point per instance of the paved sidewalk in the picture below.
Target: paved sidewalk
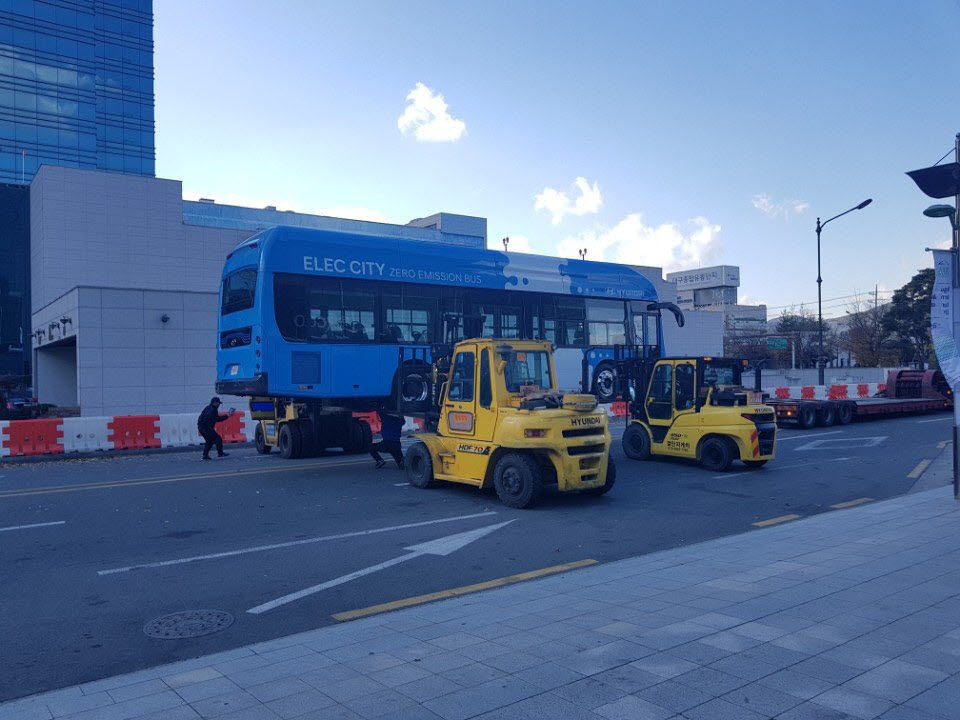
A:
(849, 614)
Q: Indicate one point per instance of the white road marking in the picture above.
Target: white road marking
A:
(441, 546)
(805, 435)
(848, 443)
(760, 473)
(400, 484)
(35, 525)
(292, 543)
(939, 419)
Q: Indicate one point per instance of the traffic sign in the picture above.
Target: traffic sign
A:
(776, 343)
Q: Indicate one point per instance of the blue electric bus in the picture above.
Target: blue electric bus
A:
(328, 317)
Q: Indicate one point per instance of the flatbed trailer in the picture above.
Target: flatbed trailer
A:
(824, 413)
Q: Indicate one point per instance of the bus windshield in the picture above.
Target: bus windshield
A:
(239, 290)
(526, 369)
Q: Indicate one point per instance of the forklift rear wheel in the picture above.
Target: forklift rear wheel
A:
(419, 465)
(754, 464)
(807, 417)
(715, 454)
(845, 414)
(517, 480)
(605, 383)
(636, 442)
(828, 415)
(261, 441)
(608, 485)
(289, 441)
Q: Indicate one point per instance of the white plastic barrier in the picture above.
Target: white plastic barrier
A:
(172, 431)
(249, 427)
(4, 451)
(188, 428)
(84, 434)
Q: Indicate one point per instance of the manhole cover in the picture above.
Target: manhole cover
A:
(189, 624)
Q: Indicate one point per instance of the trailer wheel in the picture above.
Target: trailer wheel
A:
(605, 383)
(845, 413)
(418, 465)
(807, 416)
(636, 442)
(517, 480)
(827, 416)
(261, 441)
(716, 454)
(608, 484)
(289, 441)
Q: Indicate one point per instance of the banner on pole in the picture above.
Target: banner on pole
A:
(942, 317)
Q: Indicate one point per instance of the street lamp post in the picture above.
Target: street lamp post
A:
(820, 226)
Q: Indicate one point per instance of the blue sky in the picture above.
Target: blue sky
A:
(704, 132)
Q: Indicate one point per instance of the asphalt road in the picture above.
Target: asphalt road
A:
(91, 550)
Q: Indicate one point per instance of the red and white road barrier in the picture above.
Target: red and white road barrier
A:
(845, 391)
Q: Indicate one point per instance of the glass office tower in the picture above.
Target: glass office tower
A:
(76, 86)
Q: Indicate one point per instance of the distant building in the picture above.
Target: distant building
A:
(714, 289)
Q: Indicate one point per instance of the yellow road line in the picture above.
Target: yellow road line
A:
(776, 520)
(169, 479)
(918, 470)
(457, 591)
(851, 503)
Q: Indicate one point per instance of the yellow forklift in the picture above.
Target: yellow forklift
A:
(695, 408)
(496, 418)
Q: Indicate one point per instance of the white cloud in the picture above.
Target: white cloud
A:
(783, 208)
(749, 300)
(426, 114)
(519, 243)
(671, 246)
(558, 203)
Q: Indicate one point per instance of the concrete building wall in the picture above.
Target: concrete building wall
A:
(701, 334)
(58, 365)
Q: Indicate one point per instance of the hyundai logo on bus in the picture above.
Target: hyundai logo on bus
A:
(376, 269)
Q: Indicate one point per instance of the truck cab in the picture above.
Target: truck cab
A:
(697, 408)
(500, 421)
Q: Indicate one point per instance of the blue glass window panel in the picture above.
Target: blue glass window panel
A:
(46, 12)
(31, 164)
(8, 162)
(112, 79)
(47, 136)
(25, 70)
(111, 23)
(67, 108)
(26, 132)
(6, 34)
(68, 163)
(111, 51)
(146, 139)
(85, 81)
(47, 104)
(69, 138)
(67, 77)
(85, 51)
(146, 31)
(6, 65)
(23, 7)
(114, 106)
(24, 38)
(146, 85)
(46, 43)
(114, 161)
(46, 73)
(129, 28)
(26, 101)
(88, 165)
(131, 54)
(84, 21)
(131, 164)
(131, 136)
(146, 58)
(6, 98)
(87, 111)
(47, 159)
(66, 16)
(147, 166)
(7, 130)
(114, 134)
(88, 141)
(146, 111)
(131, 109)
(131, 83)
(66, 46)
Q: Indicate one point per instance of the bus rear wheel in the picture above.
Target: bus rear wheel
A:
(605, 383)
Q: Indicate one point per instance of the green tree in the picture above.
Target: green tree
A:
(908, 318)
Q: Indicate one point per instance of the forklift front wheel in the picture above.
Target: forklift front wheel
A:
(636, 442)
(261, 441)
(518, 480)
(289, 440)
(608, 485)
(419, 465)
(716, 454)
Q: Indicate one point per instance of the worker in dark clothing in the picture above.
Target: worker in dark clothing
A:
(206, 426)
(390, 427)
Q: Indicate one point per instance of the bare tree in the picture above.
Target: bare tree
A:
(867, 336)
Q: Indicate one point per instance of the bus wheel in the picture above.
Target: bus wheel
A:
(608, 484)
(715, 454)
(361, 437)
(845, 413)
(636, 442)
(289, 441)
(605, 383)
(517, 480)
(261, 441)
(419, 465)
(807, 417)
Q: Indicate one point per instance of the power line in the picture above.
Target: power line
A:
(813, 302)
